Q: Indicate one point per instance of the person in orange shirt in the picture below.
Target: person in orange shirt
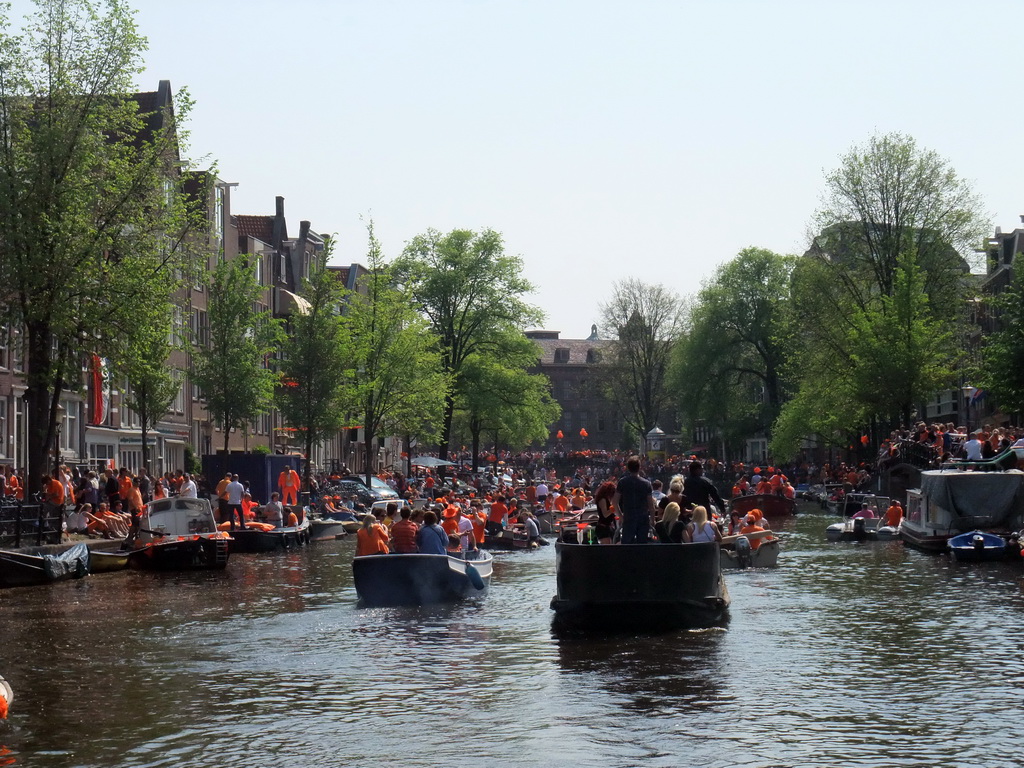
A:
(14, 486)
(249, 507)
(893, 515)
(371, 539)
(124, 486)
(479, 521)
(562, 503)
(222, 498)
(496, 519)
(288, 483)
(752, 526)
(54, 490)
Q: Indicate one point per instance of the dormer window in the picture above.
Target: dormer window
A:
(562, 355)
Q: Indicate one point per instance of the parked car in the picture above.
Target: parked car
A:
(349, 488)
(377, 485)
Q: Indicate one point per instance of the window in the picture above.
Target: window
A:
(3, 428)
(562, 355)
(69, 430)
(593, 356)
(5, 361)
(179, 397)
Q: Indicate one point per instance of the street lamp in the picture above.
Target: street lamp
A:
(969, 393)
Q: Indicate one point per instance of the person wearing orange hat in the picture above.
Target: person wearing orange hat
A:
(752, 526)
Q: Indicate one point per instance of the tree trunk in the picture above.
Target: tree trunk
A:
(42, 395)
(369, 468)
(475, 434)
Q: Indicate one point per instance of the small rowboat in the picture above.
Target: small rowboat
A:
(770, 504)
(977, 547)
(107, 561)
(257, 539)
(737, 554)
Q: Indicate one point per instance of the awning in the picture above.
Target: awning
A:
(290, 303)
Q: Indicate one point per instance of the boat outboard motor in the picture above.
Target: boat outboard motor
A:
(744, 554)
(859, 530)
(979, 541)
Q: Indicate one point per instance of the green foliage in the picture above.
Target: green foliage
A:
(192, 463)
(316, 377)
(399, 383)
(1001, 371)
(260, 450)
(471, 292)
(727, 370)
(231, 371)
(92, 221)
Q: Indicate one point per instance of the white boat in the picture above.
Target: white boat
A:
(852, 503)
(951, 502)
(6, 698)
(862, 529)
(737, 554)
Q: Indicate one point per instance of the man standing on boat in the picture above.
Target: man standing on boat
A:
(634, 498)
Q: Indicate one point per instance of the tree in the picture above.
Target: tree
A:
(91, 219)
(1001, 369)
(472, 292)
(500, 397)
(231, 371)
(151, 385)
(398, 374)
(645, 321)
(315, 391)
(728, 368)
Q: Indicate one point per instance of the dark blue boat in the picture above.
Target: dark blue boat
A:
(978, 547)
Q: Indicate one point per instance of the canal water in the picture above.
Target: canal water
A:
(845, 655)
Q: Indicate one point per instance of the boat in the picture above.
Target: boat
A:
(509, 539)
(737, 554)
(258, 539)
(862, 529)
(21, 569)
(638, 586)
(107, 560)
(6, 698)
(770, 504)
(179, 534)
(978, 547)
(852, 503)
(326, 529)
(419, 579)
(951, 502)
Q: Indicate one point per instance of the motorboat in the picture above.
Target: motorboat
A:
(862, 529)
(179, 534)
(6, 698)
(979, 547)
(856, 503)
(28, 568)
(639, 586)
(419, 579)
(737, 554)
(259, 538)
(951, 502)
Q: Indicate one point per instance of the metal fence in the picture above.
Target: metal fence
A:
(29, 525)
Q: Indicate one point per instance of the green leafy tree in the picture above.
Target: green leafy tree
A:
(231, 371)
(1001, 369)
(645, 321)
(151, 384)
(501, 398)
(315, 391)
(399, 381)
(471, 292)
(728, 367)
(91, 220)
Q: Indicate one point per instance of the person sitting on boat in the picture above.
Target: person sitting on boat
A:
(530, 524)
(702, 529)
(273, 511)
(390, 512)
(670, 528)
(865, 512)
(741, 487)
(496, 519)
(579, 499)
(751, 526)
(431, 538)
(788, 490)
(457, 524)
(735, 522)
(371, 538)
(605, 527)
(893, 515)
(403, 533)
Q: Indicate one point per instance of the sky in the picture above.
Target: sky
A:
(603, 140)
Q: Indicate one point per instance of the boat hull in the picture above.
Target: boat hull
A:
(769, 504)
(418, 579)
(195, 554)
(964, 548)
(861, 529)
(108, 561)
(256, 540)
(508, 541)
(326, 530)
(23, 569)
(765, 556)
(639, 586)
